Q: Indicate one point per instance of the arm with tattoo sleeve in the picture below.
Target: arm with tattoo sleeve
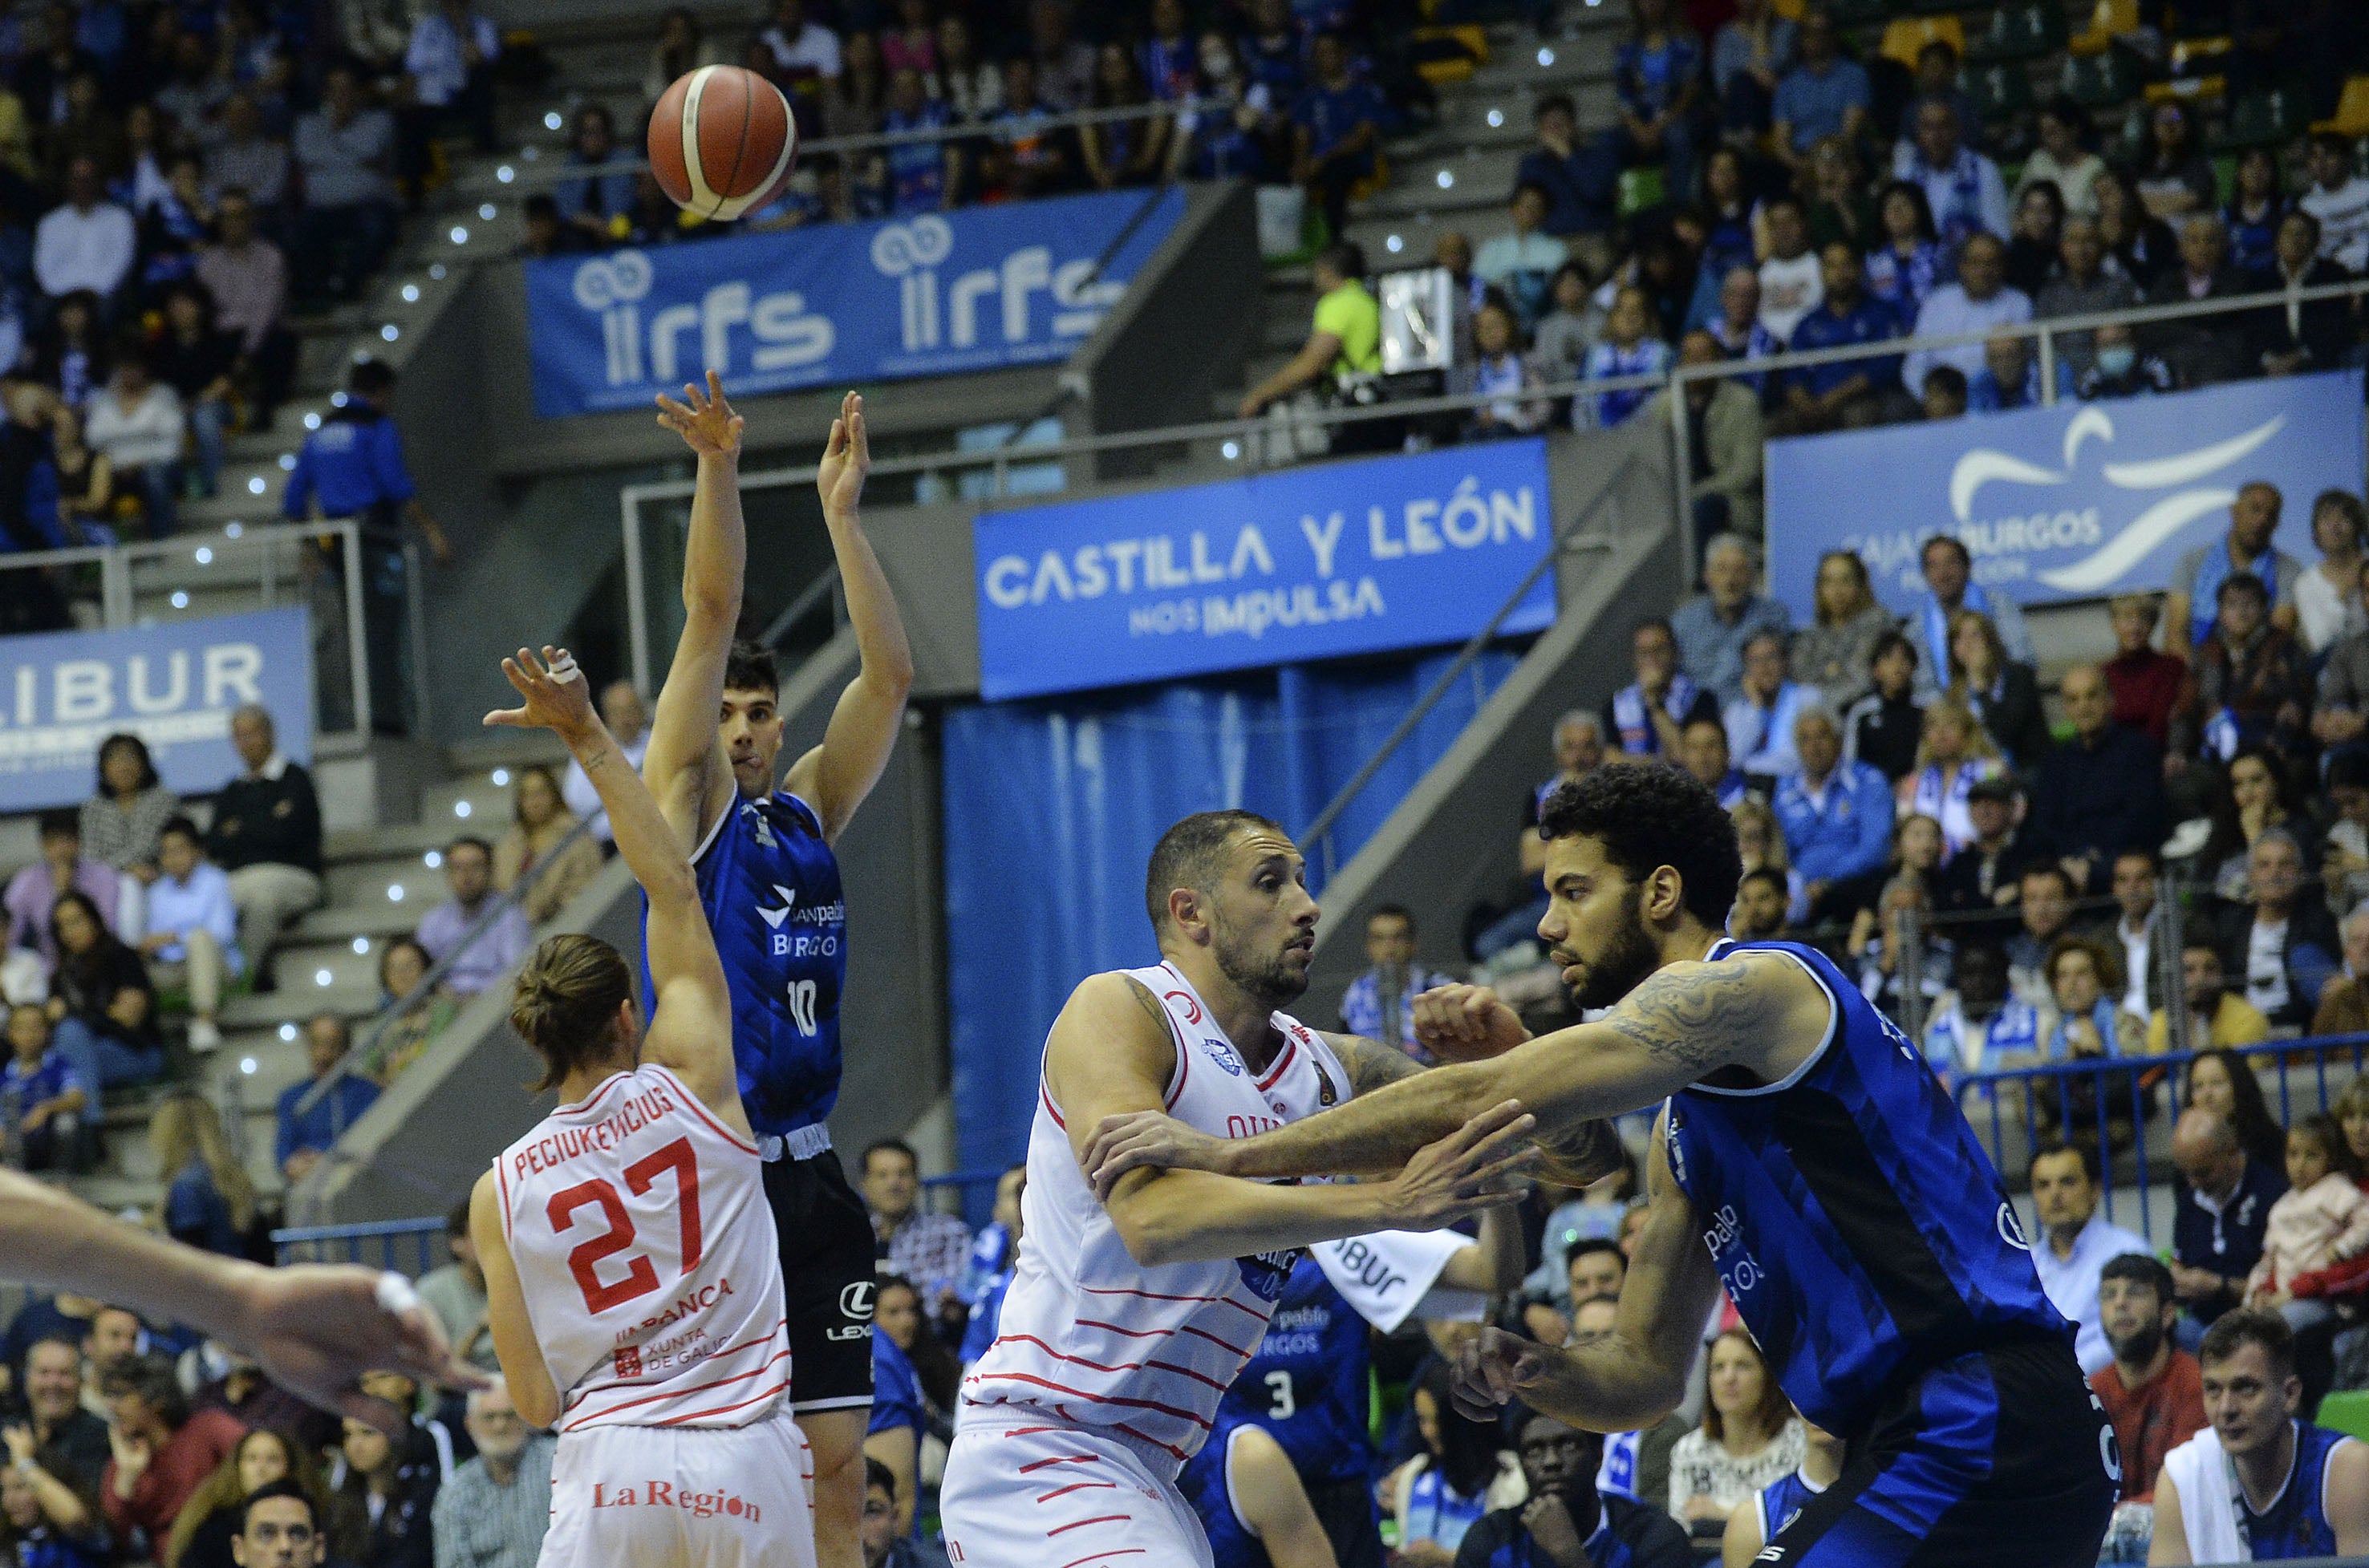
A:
(1574, 1156)
(1760, 1013)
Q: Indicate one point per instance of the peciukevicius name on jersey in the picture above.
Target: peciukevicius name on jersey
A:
(633, 1114)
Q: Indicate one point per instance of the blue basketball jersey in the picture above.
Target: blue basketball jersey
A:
(1307, 1383)
(1860, 1230)
(1204, 1484)
(770, 886)
(2296, 1522)
(1780, 1504)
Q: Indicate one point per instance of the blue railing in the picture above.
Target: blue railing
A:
(2110, 1102)
(407, 1246)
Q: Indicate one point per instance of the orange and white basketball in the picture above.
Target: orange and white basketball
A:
(722, 142)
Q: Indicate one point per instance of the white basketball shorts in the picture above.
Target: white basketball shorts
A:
(1021, 1495)
(683, 1497)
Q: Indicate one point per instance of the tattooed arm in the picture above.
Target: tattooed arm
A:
(1759, 1013)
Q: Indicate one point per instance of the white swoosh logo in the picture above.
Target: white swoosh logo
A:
(2126, 549)
(1979, 467)
(2166, 472)
(2090, 421)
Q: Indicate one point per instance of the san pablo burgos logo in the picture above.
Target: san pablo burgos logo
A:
(931, 315)
(614, 286)
(1999, 542)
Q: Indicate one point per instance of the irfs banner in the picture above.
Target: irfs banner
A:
(979, 289)
(2076, 501)
(1312, 563)
(174, 686)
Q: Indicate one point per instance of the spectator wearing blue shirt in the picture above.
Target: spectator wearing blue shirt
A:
(923, 176)
(599, 202)
(303, 1138)
(1821, 397)
(192, 929)
(1836, 813)
(42, 1097)
(1714, 625)
(1963, 188)
(1657, 72)
(901, 1404)
(2010, 378)
(1824, 95)
(1749, 55)
(1581, 177)
(1625, 349)
(1336, 126)
(209, 1202)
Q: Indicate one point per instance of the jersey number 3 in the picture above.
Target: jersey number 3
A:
(640, 1279)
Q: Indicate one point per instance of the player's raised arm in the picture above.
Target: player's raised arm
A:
(689, 1027)
(1683, 1022)
(1111, 1052)
(686, 765)
(1637, 1376)
(836, 775)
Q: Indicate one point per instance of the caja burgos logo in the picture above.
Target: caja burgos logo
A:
(614, 286)
(936, 315)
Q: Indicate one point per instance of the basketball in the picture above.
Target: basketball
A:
(722, 140)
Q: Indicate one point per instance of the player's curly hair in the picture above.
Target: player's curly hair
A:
(1648, 815)
(565, 1003)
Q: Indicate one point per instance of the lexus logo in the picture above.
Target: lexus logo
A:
(856, 1301)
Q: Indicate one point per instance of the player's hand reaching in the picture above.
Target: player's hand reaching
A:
(557, 696)
(317, 1330)
(1492, 1369)
(1142, 1138)
(1486, 1162)
(704, 420)
(1463, 1023)
(846, 459)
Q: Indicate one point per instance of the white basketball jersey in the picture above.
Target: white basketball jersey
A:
(1089, 1336)
(647, 1256)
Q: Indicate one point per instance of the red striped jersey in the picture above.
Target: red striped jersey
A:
(1090, 1337)
(646, 1254)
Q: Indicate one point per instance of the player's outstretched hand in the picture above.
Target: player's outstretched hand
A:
(557, 696)
(1486, 1162)
(317, 1330)
(1492, 1368)
(1139, 1138)
(704, 420)
(846, 459)
(1463, 1023)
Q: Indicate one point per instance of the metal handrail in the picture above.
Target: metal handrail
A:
(1320, 832)
(359, 1052)
(540, 176)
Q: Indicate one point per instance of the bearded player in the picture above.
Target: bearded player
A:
(633, 1279)
(769, 880)
(1127, 1317)
(1805, 1159)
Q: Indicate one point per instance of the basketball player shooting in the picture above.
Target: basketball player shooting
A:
(1129, 1316)
(632, 1276)
(769, 880)
(1805, 1159)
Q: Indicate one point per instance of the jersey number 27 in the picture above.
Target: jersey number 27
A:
(639, 1279)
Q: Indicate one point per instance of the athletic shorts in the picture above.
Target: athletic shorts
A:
(683, 1497)
(826, 1252)
(1021, 1495)
(1999, 1458)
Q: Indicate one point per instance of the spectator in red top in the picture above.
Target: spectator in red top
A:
(163, 1451)
(2153, 1391)
(2146, 683)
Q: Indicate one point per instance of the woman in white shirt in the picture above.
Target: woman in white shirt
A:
(135, 422)
(2327, 597)
(1749, 1437)
(2061, 159)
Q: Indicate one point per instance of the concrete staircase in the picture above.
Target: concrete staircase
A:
(381, 880)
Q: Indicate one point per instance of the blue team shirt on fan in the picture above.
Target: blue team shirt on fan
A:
(770, 886)
(1860, 1230)
(917, 170)
(896, 1390)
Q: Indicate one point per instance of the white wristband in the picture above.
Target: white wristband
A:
(395, 1295)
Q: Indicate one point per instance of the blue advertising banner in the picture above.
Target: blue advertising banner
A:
(837, 304)
(174, 686)
(2076, 501)
(1312, 563)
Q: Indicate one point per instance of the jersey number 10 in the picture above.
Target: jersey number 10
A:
(639, 1279)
